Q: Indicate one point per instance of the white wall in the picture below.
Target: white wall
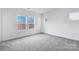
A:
(9, 23)
(41, 29)
(59, 24)
(0, 25)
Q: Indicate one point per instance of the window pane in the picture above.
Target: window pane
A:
(30, 20)
(21, 23)
(31, 26)
(21, 19)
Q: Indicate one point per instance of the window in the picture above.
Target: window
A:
(30, 22)
(74, 16)
(25, 23)
(21, 23)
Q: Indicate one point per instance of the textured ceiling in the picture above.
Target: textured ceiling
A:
(41, 10)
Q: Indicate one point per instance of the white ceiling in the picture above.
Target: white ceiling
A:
(41, 10)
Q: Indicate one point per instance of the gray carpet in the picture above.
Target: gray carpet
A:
(40, 42)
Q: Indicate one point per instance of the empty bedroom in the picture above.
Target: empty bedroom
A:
(39, 29)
